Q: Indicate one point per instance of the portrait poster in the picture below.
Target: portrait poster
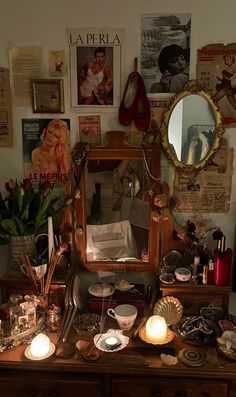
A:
(57, 63)
(89, 127)
(46, 149)
(6, 134)
(165, 38)
(216, 69)
(95, 58)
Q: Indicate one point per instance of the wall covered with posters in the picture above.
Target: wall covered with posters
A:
(49, 39)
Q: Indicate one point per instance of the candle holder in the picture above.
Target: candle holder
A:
(156, 332)
(111, 342)
(40, 348)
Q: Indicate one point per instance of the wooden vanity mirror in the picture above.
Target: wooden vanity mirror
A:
(117, 185)
(192, 129)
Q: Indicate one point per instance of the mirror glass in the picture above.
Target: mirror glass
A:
(192, 128)
(117, 194)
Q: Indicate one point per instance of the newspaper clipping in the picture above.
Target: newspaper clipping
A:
(46, 149)
(216, 69)
(210, 189)
(5, 109)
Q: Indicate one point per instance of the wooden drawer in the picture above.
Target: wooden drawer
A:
(45, 385)
(151, 387)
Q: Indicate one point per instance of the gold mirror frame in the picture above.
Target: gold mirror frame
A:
(117, 149)
(191, 88)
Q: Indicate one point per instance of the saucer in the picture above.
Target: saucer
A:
(30, 357)
(99, 341)
(169, 336)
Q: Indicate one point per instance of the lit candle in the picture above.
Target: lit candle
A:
(156, 329)
(40, 346)
(111, 342)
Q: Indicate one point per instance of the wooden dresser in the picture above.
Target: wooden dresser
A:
(136, 371)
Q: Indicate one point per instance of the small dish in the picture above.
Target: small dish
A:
(101, 290)
(100, 341)
(167, 278)
(170, 308)
(31, 357)
(182, 274)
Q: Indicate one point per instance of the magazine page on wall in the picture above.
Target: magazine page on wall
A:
(216, 69)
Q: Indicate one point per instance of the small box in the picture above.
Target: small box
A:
(134, 296)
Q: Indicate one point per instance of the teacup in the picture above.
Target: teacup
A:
(125, 315)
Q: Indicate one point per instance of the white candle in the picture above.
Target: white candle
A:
(40, 346)
(156, 329)
(111, 342)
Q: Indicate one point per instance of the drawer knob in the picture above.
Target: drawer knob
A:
(181, 393)
(155, 393)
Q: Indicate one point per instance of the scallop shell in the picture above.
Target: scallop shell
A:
(170, 308)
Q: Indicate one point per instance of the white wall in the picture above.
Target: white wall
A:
(31, 22)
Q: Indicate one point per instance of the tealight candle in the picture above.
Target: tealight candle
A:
(40, 346)
(156, 329)
(111, 342)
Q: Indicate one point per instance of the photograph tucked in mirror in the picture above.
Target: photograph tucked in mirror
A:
(117, 210)
(192, 128)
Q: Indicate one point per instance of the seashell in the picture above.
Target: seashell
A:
(221, 341)
(170, 308)
(229, 335)
(228, 344)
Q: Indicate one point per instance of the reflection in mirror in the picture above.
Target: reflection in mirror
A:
(117, 210)
(192, 129)
(193, 141)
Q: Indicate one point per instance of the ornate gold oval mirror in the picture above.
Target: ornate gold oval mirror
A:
(192, 128)
(117, 188)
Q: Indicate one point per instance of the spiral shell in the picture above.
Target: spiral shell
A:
(170, 308)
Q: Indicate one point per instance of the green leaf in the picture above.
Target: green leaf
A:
(10, 226)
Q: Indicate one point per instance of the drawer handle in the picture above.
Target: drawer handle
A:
(181, 393)
(30, 392)
(155, 393)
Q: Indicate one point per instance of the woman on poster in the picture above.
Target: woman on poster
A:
(54, 153)
(95, 81)
(225, 88)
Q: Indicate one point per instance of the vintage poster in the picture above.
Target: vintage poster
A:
(46, 149)
(6, 133)
(26, 63)
(57, 63)
(158, 106)
(95, 67)
(165, 51)
(216, 69)
(89, 127)
(210, 189)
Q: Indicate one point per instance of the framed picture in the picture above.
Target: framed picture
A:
(48, 96)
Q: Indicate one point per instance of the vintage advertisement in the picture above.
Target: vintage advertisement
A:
(89, 127)
(26, 63)
(165, 51)
(158, 105)
(46, 149)
(6, 133)
(57, 63)
(216, 69)
(95, 67)
(210, 189)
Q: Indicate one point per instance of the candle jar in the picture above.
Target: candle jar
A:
(156, 329)
(53, 317)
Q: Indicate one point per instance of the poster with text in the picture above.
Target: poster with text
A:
(95, 67)
(46, 149)
(216, 69)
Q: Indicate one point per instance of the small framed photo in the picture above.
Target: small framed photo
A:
(48, 96)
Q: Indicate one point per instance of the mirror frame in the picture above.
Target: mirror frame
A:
(117, 149)
(191, 88)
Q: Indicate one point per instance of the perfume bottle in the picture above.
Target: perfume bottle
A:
(222, 264)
